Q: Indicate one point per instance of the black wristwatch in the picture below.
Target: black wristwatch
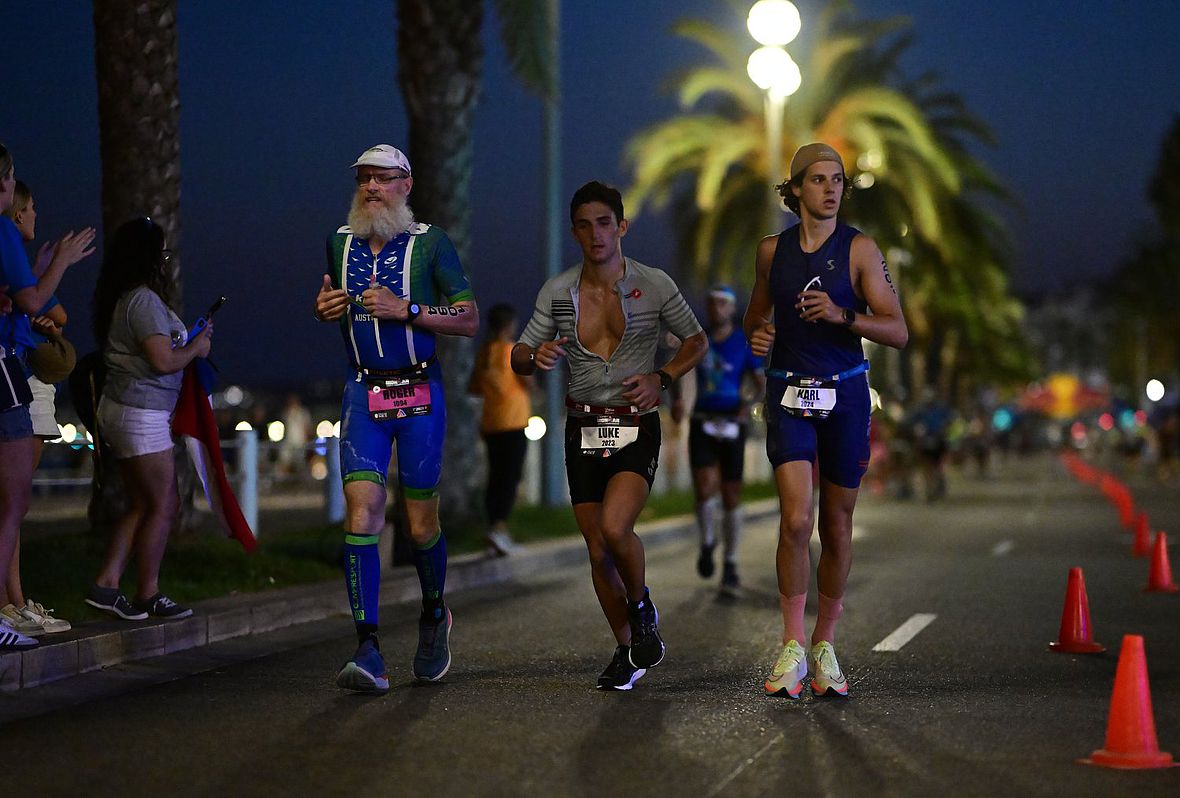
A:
(415, 310)
(849, 316)
(665, 379)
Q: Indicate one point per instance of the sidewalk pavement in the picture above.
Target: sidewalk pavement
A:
(92, 646)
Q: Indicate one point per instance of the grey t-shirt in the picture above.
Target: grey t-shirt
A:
(651, 303)
(131, 380)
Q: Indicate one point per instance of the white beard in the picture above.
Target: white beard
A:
(384, 222)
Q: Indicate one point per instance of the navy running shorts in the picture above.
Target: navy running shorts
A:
(840, 442)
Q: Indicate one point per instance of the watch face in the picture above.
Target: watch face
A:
(415, 308)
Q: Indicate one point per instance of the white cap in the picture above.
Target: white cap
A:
(383, 156)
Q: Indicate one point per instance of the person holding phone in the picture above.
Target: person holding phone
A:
(146, 348)
(814, 286)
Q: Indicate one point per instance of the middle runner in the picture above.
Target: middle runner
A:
(605, 315)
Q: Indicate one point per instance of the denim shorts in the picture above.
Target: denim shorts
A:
(134, 431)
(16, 424)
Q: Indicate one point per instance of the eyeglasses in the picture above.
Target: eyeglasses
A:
(381, 180)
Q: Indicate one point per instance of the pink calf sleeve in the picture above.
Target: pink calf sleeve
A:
(792, 607)
(830, 610)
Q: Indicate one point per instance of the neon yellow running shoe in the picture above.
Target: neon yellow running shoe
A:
(789, 671)
(828, 676)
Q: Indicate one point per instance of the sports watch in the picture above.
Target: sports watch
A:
(849, 316)
(665, 379)
(414, 311)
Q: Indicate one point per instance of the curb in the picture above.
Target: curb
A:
(100, 645)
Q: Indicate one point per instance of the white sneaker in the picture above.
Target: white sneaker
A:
(12, 616)
(828, 676)
(35, 611)
(12, 640)
(789, 671)
(500, 542)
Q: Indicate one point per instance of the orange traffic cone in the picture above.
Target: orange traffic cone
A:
(1076, 636)
(1159, 579)
(1141, 546)
(1130, 727)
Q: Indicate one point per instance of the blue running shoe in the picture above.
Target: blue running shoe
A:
(365, 672)
(433, 659)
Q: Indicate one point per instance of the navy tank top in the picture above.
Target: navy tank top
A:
(818, 348)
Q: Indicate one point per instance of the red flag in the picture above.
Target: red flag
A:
(194, 420)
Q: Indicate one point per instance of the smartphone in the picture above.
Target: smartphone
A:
(203, 321)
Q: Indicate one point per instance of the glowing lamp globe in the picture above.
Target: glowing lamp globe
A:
(773, 69)
(774, 22)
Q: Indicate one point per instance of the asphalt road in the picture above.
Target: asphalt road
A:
(974, 704)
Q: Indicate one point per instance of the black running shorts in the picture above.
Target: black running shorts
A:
(588, 474)
(706, 450)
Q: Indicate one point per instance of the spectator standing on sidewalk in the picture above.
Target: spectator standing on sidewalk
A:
(22, 613)
(24, 296)
(146, 349)
(506, 408)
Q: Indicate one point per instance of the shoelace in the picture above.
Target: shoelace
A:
(789, 653)
(165, 602)
(827, 663)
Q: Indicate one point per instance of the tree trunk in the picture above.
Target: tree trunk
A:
(136, 55)
(440, 52)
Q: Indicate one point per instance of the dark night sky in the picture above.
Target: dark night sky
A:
(278, 98)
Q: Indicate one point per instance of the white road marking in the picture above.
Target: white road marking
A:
(1002, 548)
(778, 738)
(906, 632)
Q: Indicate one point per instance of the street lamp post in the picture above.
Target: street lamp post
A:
(774, 23)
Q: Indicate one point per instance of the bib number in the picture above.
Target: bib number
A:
(398, 399)
(721, 429)
(602, 436)
(809, 397)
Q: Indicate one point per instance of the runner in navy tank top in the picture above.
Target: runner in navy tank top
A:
(820, 287)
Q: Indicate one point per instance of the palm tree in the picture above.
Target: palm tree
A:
(710, 164)
(136, 56)
(440, 58)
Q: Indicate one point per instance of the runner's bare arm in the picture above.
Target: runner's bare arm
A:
(526, 360)
(461, 318)
(757, 323)
(871, 280)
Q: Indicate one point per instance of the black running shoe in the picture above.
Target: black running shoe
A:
(731, 586)
(620, 674)
(647, 648)
(433, 658)
(705, 562)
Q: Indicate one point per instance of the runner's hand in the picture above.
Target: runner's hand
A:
(384, 304)
(549, 353)
(45, 326)
(762, 340)
(818, 306)
(644, 390)
(330, 303)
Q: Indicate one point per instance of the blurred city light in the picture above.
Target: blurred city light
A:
(336, 430)
(243, 426)
(1106, 422)
(1078, 431)
(1155, 390)
(1002, 419)
(324, 429)
(865, 180)
(1140, 418)
(275, 430)
(536, 428)
(773, 69)
(1127, 419)
(234, 395)
(874, 400)
(774, 22)
(319, 469)
(68, 433)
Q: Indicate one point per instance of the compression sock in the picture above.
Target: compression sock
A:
(707, 521)
(793, 624)
(731, 532)
(830, 610)
(431, 562)
(362, 581)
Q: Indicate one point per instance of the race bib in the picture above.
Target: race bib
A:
(398, 399)
(721, 429)
(809, 397)
(602, 436)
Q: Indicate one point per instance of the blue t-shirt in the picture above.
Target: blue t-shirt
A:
(420, 265)
(15, 330)
(719, 374)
